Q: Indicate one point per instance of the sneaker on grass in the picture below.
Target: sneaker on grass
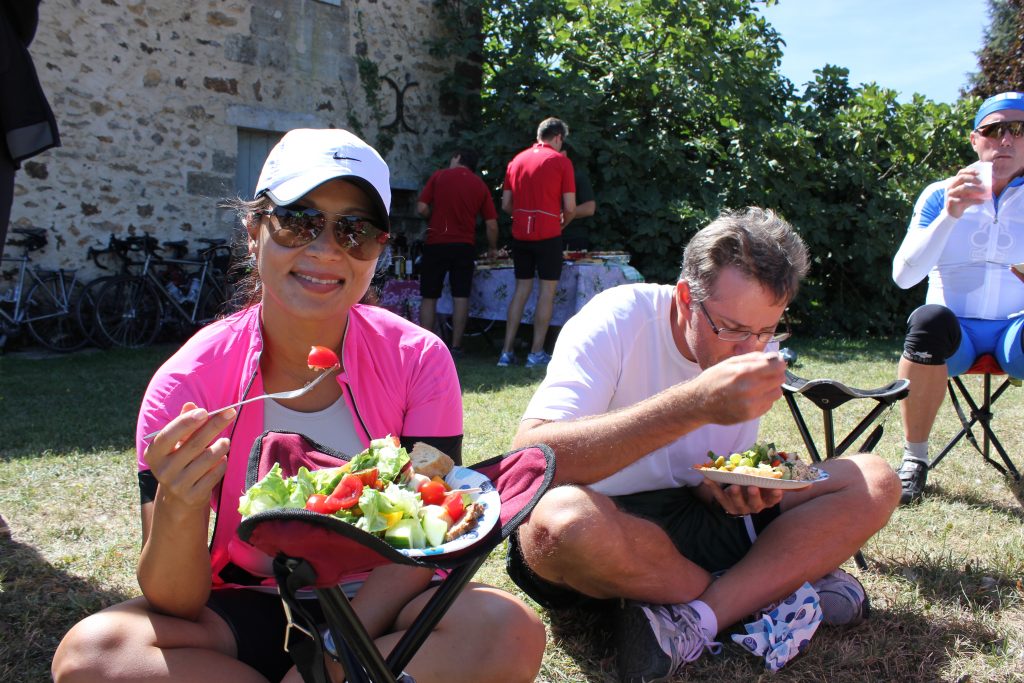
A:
(841, 597)
(538, 359)
(654, 641)
(506, 359)
(913, 476)
(843, 600)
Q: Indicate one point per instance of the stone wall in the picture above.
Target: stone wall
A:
(150, 96)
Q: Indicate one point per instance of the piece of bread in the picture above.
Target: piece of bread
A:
(429, 461)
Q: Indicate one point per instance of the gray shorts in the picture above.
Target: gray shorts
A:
(704, 535)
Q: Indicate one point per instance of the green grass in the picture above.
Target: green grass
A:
(945, 576)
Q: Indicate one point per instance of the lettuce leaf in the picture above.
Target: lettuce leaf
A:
(270, 492)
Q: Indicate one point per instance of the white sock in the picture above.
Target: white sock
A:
(708, 620)
(916, 451)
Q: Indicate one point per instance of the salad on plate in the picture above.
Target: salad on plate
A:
(379, 492)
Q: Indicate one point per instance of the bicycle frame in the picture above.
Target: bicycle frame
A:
(206, 283)
(19, 316)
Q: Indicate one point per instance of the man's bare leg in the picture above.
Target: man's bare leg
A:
(460, 314)
(542, 316)
(428, 314)
(819, 528)
(919, 409)
(515, 312)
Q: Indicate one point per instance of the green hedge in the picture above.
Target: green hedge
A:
(677, 110)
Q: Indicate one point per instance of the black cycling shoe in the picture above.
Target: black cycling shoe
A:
(913, 476)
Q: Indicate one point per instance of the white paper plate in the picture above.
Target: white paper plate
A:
(761, 482)
(466, 478)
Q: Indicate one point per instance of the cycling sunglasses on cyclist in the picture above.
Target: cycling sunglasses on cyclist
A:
(298, 225)
(998, 129)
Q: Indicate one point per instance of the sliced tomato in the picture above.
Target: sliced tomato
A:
(453, 504)
(321, 358)
(368, 477)
(432, 493)
(322, 504)
(347, 493)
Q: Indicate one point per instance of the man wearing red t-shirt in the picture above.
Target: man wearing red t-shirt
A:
(540, 193)
(452, 200)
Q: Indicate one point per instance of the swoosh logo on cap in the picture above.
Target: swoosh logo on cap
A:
(337, 155)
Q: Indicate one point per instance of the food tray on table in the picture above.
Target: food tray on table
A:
(620, 257)
(494, 265)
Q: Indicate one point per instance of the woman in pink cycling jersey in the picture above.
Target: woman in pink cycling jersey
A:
(315, 230)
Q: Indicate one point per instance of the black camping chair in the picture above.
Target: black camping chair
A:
(313, 550)
(829, 394)
(980, 414)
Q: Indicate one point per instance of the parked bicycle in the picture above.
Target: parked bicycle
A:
(121, 256)
(132, 309)
(41, 300)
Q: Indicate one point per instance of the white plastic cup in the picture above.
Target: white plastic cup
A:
(984, 171)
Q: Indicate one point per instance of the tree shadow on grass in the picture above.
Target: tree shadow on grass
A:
(891, 645)
(966, 586)
(38, 605)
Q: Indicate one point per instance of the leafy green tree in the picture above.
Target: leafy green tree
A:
(678, 110)
(1001, 58)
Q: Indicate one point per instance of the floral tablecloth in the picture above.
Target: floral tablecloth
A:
(493, 288)
(402, 297)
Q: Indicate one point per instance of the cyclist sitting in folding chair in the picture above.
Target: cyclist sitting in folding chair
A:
(211, 612)
(965, 234)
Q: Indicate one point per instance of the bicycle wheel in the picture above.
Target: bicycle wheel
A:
(50, 313)
(85, 311)
(211, 304)
(128, 312)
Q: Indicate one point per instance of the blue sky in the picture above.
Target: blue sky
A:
(924, 46)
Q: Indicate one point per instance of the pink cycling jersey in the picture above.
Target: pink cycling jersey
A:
(397, 379)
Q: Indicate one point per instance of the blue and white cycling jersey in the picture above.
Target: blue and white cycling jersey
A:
(966, 260)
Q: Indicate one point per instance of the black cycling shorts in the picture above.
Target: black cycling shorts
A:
(540, 257)
(455, 260)
(257, 620)
(704, 535)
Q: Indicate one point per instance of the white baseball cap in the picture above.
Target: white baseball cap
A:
(306, 158)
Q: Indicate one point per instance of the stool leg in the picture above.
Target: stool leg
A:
(801, 426)
(858, 558)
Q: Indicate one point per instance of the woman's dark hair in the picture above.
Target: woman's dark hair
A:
(244, 270)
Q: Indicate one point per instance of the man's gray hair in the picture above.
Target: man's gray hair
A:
(756, 242)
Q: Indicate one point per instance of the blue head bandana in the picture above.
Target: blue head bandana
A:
(1006, 100)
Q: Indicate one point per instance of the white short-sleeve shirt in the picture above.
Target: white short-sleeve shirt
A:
(618, 350)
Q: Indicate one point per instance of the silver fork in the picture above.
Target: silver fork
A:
(283, 395)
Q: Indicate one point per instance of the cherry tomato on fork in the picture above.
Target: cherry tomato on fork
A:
(322, 358)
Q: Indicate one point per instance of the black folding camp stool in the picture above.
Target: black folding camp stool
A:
(520, 477)
(980, 414)
(829, 394)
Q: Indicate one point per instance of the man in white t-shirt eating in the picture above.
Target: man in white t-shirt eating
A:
(644, 381)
